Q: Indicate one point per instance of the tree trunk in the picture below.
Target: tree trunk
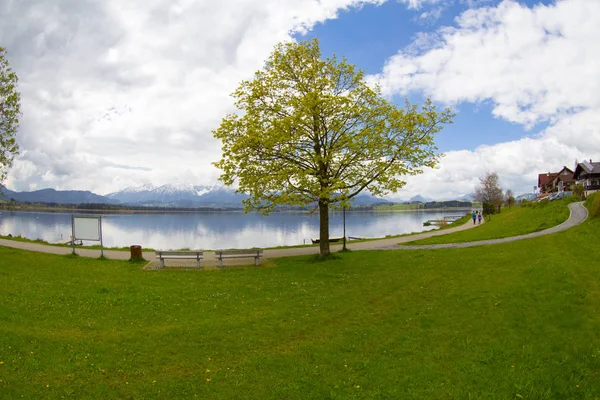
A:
(324, 228)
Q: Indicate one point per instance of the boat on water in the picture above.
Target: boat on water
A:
(331, 239)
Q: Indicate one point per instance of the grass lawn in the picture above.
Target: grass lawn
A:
(517, 320)
(513, 221)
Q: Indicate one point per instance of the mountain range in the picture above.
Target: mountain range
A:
(170, 195)
(54, 196)
(179, 195)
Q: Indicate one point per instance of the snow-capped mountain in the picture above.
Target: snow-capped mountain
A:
(420, 199)
(179, 195)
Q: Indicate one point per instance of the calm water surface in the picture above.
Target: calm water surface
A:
(205, 230)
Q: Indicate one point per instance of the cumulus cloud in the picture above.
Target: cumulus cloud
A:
(117, 93)
(534, 65)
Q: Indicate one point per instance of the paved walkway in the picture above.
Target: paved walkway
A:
(577, 216)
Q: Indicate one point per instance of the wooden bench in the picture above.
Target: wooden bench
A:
(238, 253)
(179, 255)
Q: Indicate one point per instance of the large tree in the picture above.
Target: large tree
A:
(489, 193)
(10, 102)
(311, 131)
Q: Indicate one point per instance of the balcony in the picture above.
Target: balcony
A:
(592, 187)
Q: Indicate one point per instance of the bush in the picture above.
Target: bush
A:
(592, 203)
(490, 208)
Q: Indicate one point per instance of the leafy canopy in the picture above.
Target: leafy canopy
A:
(311, 130)
(10, 102)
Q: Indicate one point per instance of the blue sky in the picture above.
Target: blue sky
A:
(118, 94)
(369, 35)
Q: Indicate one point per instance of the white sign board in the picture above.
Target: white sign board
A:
(86, 228)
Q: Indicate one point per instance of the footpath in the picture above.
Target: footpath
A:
(578, 214)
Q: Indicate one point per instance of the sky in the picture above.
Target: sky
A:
(118, 94)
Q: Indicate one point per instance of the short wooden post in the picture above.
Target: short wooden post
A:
(136, 252)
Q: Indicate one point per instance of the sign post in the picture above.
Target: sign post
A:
(344, 213)
(87, 227)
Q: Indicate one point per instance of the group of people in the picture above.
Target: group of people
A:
(476, 216)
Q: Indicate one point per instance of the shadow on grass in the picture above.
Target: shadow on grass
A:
(318, 258)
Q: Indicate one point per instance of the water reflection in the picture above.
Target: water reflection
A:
(219, 229)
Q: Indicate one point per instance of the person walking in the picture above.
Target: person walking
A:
(479, 217)
(474, 216)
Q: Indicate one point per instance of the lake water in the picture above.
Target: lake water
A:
(206, 230)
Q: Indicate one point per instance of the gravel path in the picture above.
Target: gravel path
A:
(577, 216)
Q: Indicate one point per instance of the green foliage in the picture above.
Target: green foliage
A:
(312, 131)
(10, 111)
(509, 198)
(489, 208)
(514, 221)
(400, 206)
(592, 203)
(517, 320)
(578, 190)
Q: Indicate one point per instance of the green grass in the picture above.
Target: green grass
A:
(517, 320)
(93, 247)
(593, 205)
(513, 221)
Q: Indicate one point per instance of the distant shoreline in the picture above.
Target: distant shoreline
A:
(116, 210)
(204, 210)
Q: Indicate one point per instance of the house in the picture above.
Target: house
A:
(587, 174)
(551, 181)
(544, 181)
(563, 180)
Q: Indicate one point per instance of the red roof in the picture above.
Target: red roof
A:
(544, 179)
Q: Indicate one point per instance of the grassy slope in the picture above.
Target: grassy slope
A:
(517, 220)
(514, 319)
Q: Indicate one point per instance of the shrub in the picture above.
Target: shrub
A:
(490, 208)
(592, 203)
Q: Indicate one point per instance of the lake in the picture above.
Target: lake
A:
(214, 230)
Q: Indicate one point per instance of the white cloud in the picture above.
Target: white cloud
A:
(535, 65)
(418, 4)
(430, 16)
(117, 93)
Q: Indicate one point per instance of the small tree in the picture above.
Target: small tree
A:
(10, 103)
(578, 190)
(509, 198)
(311, 131)
(489, 193)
